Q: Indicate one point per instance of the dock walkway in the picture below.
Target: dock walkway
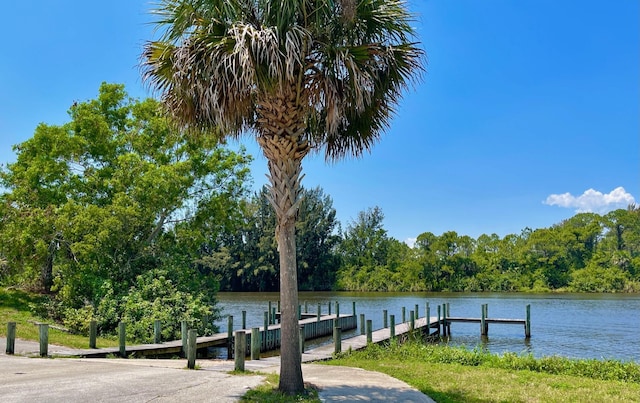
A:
(270, 340)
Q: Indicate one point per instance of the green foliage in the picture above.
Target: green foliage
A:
(246, 258)
(586, 253)
(110, 196)
(155, 296)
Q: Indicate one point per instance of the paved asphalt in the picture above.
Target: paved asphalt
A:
(24, 379)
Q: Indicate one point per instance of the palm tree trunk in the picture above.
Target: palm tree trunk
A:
(282, 126)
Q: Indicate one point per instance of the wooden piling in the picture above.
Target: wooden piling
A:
(337, 339)
(527, 324)
(229, 337)
(93, 333)
(266, 331)
(483, 317)
(271, 318)
(444, 320)
(157, 331)
(428, 317)
(369, 331)
(244, 319)
(439, 321)
(318, 313)
(412, 321)
(11, 338)
(392, 327)
(329, 307)
(337, 309)
(417, 315)
(404, 314)
(44, 339)
(240, 350)
(255, 343)
(302, 339)
(183, 334)
(362, 329)
(122, 338)
(353, 308)
(385, 323)
(192, 348)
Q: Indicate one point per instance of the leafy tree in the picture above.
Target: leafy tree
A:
(301, 75)
(247, 258)
(110, 196)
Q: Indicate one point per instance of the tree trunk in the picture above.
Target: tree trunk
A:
(281, 123)
(291, 381)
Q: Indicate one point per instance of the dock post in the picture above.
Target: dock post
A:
(337, 339)
(157, 331)
(439, 321)
(44, 339)
(417, 315)
(229, 337)
(404, 314)
(11, 338)
(329, 306)
(122, 338)
(299, 311)
(244, 319)
(392, 327)
(369, 331)
(302, 339)
(412, 321)
(183, 334)
(306, 306)
(483, 321)
(337, 309)
(240, 350)
(362, 330)
(427, 315)
(266, 331)
(319, 312)
(448, 316)
(93, 333)
(255, 343)
(271, 318)
(192, 348)
(444, 320)
(206, 321)
(527, 324)
(353, 309)
(385, 323)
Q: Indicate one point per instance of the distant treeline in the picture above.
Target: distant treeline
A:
(586, 253)
(116, 216)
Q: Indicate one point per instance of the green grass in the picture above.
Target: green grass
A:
(449, 374)
(15, 306)
(268, 392)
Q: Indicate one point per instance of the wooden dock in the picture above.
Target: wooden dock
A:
(270, 340)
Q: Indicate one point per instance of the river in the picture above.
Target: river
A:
(599, 326)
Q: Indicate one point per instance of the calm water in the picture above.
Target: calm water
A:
(570, 325)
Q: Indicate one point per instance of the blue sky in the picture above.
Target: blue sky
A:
(528, 112)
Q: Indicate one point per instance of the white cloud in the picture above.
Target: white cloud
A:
(411, 242)
(592, 200)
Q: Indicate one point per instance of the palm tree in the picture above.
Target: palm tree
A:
(302, 76)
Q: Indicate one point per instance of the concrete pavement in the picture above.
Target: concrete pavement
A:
(25, 379)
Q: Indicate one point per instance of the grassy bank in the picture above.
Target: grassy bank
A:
(449, 374)
(16, 306)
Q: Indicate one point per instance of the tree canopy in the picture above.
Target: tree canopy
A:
(100, 208)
